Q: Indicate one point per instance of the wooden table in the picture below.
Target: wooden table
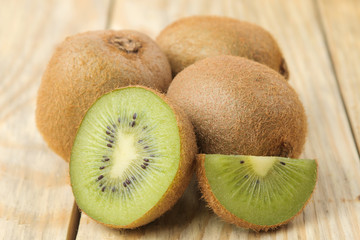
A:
(321, 42)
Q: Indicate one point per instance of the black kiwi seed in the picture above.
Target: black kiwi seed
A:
(282, 163)
(241, 161)
(146, 160)
(146, 147)
(143, 166)
(132, 124)
(133, 178)
(127, 181)
(102, 167)
(134, 116)
(119, 120)
(146, 164)
(100, 177)
(106, 159)
(111, 141)
(124, 183)
(112, 130)
(103, 189)
(100, 185)
(109, 145)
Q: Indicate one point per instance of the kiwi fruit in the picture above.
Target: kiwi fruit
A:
(238, 106)
(83, 68)
(259, 193)
(194, 38)
(132, 158)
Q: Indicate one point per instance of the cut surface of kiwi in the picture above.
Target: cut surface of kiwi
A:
(256, 192)
(128, 163)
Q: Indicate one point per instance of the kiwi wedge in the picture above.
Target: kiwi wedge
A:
(191, 39)
(84, 67)
(259, 193)
(132, 157)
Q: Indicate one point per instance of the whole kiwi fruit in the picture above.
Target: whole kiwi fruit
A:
(194, 38)
(83, 68)
(239, 106)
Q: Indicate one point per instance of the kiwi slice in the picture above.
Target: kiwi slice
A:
(259, 193)
(132, 157)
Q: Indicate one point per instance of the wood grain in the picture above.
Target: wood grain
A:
(334, 211)
(340, 20)
(35, 197)
(320, 40)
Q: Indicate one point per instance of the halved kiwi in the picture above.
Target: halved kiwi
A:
(259, 193)
(132, 157)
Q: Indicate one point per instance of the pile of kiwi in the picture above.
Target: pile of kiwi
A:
(135, 118)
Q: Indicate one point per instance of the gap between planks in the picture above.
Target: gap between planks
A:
(320, 20)
(74, 223)
(76, 213)
(110, 14)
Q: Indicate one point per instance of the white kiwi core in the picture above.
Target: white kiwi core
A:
(124, 153)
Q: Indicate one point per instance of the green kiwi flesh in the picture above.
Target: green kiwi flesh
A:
(259, 192)
(126, 156)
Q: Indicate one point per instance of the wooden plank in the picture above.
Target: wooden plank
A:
(340, 20)
(334, 211)
(35, 197)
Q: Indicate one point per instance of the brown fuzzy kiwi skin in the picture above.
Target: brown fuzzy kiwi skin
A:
(238, 106)
(83, 68)
(188, 151)
(222, 212)
(190, 39)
